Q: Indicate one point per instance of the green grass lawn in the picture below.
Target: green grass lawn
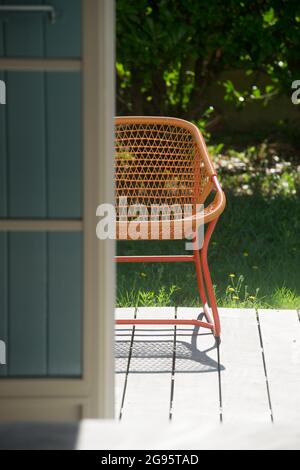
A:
(256, 240)
(254, 254)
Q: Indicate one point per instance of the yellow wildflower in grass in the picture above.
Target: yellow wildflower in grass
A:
(232, 275)
(231, 289)
(143, 275)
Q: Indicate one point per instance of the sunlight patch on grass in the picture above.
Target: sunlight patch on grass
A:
(285, 298)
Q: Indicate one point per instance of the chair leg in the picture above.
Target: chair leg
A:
(208, 282)
(200, 284)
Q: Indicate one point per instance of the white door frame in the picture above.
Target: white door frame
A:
(91, 396)
(98, 122)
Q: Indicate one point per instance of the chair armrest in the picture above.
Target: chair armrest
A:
(216, 207)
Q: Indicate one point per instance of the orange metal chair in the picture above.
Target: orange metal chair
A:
(163, 161)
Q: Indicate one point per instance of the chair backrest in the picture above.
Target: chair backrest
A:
(160, 161)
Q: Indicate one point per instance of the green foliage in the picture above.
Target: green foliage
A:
(238, 295)
(262, 169)
(168, 51)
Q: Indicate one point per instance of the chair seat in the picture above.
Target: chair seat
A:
(167, 229)
(176, 227)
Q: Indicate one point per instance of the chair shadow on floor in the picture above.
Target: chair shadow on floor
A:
(153, 350)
